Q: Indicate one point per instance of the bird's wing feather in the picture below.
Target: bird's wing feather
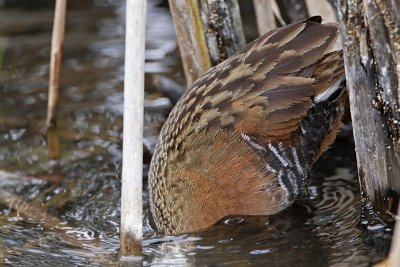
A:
(266, 89)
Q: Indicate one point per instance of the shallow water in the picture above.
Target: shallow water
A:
(69, 209)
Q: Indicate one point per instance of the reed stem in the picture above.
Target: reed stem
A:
(265, 18)
(192, 43)
(131, 195)
(57, 42)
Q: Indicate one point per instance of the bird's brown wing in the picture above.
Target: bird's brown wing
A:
(265, 90)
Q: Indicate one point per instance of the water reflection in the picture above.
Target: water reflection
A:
(260, 241)
(82, 189)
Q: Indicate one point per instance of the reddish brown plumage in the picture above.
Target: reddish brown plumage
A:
(242, 139)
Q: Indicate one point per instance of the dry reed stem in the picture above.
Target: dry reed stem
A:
(265, 18)
(192, 43)
(132, 162)
(57, 42)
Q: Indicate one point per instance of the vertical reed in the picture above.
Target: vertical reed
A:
(57, 42)
(223, 28)
(192, 43)
(131, 195)
(208, 32)
(371, 56)
(265, 18)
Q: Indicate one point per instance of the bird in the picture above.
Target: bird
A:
(245, 135)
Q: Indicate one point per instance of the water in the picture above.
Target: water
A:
(69, 210)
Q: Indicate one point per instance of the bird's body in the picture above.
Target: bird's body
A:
(244, 136)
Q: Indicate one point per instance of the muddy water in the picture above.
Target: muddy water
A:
(67, 212)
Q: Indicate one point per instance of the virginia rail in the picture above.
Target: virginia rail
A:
(244, 136)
